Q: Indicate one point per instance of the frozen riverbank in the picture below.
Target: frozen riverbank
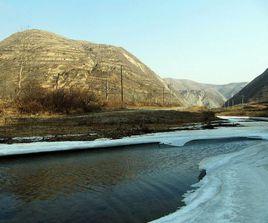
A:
(176, 138)
(135, 184)
(131, 184)
(234, 188)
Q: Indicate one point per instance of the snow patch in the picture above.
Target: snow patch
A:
(234, 190)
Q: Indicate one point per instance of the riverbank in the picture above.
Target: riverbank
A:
(131, 184)
(127, 181)
(171, 138)
(106, 124)
(249, 110)
(234, 188)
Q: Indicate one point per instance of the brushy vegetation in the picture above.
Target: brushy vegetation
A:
(109, 124)
(35, 99)
(252, 109)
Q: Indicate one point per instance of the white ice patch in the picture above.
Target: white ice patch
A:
(176, 138)
(235, 118)
(234, 190)
(243, 118)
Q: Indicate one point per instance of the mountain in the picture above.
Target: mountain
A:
(254, 92)
(198, 94)
(57, 62)
(195, 94)
(229, 90)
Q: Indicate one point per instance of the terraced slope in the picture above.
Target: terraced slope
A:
(58, 62)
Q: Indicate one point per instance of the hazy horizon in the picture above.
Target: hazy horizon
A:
(205, 41)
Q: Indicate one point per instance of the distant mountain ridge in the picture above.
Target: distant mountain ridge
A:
(199, 94)
(229, 90)
(254, 92)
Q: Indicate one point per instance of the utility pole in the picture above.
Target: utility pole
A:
(22, 62)
(107, 90)
(170, 86)
(122, 86)
(4, 93)
(163, 96)
(57, 81)
(242, 99)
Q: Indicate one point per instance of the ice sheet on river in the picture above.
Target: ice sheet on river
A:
(176, 138)
(234, 190)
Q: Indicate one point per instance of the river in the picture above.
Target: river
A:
(131, 184)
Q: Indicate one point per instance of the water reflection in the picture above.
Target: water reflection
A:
(45, 177)
(135, 184)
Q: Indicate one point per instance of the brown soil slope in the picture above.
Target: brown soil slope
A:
(254, 92)
(58, 62)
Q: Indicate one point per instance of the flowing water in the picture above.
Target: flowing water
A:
(130, 184)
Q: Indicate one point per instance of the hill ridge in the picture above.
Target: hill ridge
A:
(195, 93)
(254, 92)
(54, 60)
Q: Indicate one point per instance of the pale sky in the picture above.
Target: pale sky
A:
(211, 41)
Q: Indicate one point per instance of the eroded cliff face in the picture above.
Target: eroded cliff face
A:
(229, 90)
(58, 62)
(201, 98)
(196, 94)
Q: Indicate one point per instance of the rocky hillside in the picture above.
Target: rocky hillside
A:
(56, 62)
(254, 92)
(198, 94)
(229, 90)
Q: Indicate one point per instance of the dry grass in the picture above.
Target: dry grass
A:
(254, 110)
(108, 124)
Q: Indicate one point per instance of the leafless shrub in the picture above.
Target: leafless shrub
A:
(35, 99)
